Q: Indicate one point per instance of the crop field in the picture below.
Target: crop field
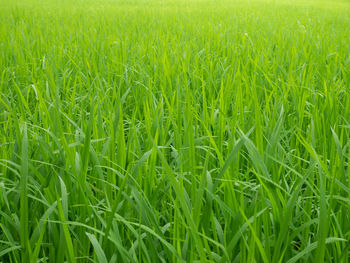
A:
(174, 131)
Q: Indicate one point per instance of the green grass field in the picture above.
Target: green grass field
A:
(174, 131)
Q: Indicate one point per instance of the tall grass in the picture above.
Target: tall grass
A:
(174, 131)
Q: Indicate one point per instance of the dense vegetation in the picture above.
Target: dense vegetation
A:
(174, 131)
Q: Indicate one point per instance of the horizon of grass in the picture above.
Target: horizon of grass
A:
(174, 131)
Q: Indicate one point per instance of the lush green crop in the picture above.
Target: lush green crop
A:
(174, 131)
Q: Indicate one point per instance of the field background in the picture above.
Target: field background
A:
(174, 131)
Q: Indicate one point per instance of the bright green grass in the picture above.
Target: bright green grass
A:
(174, 131)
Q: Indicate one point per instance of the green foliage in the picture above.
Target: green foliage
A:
(174, 131)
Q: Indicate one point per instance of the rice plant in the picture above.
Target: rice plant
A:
(174, 131)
